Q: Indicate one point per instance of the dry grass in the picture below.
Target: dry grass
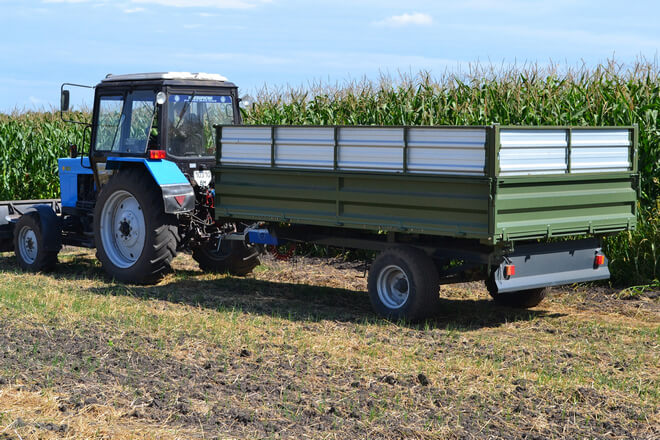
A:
(295, 352)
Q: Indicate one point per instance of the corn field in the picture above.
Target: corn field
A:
(607, 95)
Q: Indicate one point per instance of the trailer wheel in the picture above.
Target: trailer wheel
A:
(135, 239)
(234, 257)
(29, 246)
(403, 284)
(521, 299)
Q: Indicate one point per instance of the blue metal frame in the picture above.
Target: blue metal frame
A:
(164, 172)
(69, 169)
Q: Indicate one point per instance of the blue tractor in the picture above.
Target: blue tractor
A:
(143, 189)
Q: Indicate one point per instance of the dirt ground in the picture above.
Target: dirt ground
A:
(294, 351)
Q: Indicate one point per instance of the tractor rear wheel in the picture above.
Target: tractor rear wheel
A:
(234, 257)
(135, 239)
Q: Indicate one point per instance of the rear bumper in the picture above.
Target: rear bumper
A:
(551, 264)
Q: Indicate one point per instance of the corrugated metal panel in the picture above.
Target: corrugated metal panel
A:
(600, 150)
(246, 145)
(451, 206)
(370, 148)
(446, 151)
(524, 152)
(556, 205)
(304, 147)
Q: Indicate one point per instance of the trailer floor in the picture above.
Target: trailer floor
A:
(294, 351)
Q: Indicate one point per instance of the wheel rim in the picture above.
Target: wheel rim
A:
(393, 287)
(123, 230)
(27, 244)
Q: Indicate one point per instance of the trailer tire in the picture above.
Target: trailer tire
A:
(130, 208)
(30, 248)
(235, 257)
(521, 299)
(404, 284)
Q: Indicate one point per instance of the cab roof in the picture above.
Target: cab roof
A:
(156, 76)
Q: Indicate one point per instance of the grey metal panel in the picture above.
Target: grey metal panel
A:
(370, 148)
(246, 145)
(304, 147)
(524, 152)
(551, 264)
(600, 150)
(446, 151)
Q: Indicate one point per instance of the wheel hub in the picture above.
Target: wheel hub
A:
(393, 287)
(123, 229)
(27, 243)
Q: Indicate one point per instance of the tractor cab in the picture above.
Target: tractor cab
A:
(161, 116)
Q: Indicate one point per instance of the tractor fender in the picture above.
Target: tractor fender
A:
(178, 194)
(51, 226)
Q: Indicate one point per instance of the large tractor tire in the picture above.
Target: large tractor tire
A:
(234, 257)
(135, 239)
(521, 299)
(32, 254)
(404, 284)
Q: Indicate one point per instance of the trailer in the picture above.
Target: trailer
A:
(522, 208)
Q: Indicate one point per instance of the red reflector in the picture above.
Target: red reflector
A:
(156, 154)
(509, 270)
(600, 259)
(180, 199)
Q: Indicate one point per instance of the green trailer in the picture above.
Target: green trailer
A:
(520, 207)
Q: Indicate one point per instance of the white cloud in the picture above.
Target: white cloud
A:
(219, 4)
(37, 101)
(133, 10)
(414, 19)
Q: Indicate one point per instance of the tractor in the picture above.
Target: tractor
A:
(141, 188)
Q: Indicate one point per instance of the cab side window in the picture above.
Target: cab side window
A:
(109, 123)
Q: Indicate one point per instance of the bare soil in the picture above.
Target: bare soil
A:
(294, 351)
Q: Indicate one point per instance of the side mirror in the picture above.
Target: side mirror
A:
(64, 101)
(73, 150)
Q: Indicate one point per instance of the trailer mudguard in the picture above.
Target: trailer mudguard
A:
(51, 226)
(178, 194)
(551, 264)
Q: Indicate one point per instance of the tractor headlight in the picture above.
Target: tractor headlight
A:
(202, 178)
(161, 98)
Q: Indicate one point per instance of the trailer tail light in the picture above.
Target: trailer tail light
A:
(600, 260)
(156, 154)
(509, 270)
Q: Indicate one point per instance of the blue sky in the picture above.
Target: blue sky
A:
(281, 42)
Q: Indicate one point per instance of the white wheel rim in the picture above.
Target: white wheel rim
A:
(393, 287)
(27, 244)
(123, 230)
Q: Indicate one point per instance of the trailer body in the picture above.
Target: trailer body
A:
(490, 196)
(494, 184)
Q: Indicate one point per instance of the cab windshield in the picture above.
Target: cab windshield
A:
(190, 123)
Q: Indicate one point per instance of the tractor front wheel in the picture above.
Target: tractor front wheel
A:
(31, 252)
(135, 239)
